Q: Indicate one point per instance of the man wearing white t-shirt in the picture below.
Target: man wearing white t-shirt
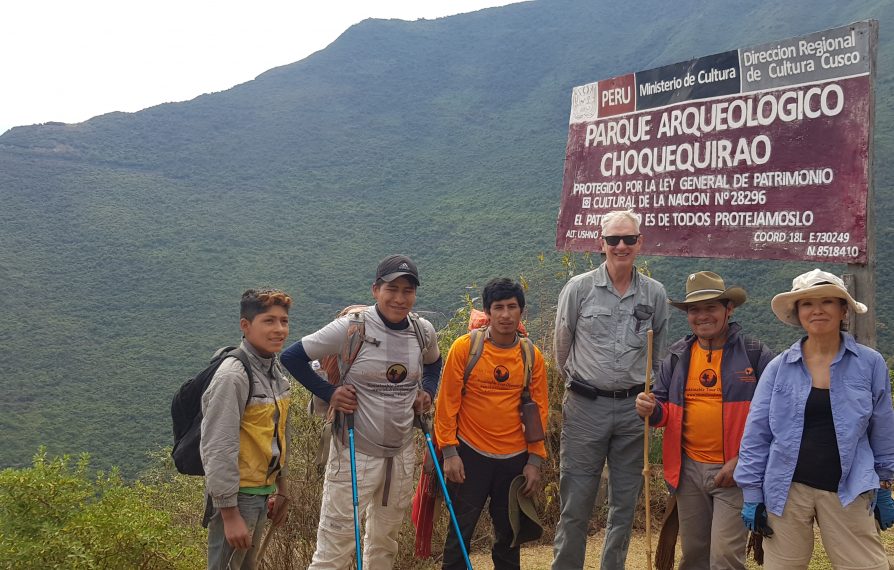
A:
(394, 375)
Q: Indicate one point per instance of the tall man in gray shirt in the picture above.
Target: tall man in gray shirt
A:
(600, 347)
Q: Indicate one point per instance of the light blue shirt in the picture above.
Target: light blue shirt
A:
(860, 392)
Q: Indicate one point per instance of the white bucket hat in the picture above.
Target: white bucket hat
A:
(814, 283)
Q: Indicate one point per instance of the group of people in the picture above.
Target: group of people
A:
(751, 443)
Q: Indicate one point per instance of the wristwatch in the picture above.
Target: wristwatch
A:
(885, 484)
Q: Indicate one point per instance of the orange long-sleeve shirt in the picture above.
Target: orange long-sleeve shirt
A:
(487, 416)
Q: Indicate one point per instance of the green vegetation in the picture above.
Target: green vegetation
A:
(58, 514)
(76, 519)
(128, 239)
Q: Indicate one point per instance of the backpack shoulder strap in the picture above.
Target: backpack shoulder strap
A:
(354, 337)
(243, 358)
(753, 347)
(420, 334)
(476, 347)
(527, 352)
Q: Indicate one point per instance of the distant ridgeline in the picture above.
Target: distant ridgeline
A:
(128, 239)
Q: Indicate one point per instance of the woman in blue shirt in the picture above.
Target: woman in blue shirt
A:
(818, 442)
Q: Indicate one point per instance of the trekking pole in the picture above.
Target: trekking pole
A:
(647, 469)
(434, 459)
(359, 553)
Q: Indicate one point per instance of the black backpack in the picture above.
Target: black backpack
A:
(186, 411)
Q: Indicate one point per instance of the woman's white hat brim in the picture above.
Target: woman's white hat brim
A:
(784, 308)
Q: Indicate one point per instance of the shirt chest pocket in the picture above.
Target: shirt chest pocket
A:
(858, 399)
(596, 321)
(782, 408)
(638, 324)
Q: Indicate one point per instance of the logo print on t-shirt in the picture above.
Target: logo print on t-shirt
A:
(501, 374)
(396, 373)
(708, 378)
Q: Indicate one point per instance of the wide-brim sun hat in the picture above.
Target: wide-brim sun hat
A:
(523, 517)
(708, 286)
(811, 285)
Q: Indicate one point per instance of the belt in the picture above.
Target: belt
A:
(592, 392)
(620, 394)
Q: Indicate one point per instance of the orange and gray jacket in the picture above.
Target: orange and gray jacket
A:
(738, 381)
(244, 443)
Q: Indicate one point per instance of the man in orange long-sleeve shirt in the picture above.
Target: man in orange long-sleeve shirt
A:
(479, 427)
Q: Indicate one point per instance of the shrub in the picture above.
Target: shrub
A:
(55, 514)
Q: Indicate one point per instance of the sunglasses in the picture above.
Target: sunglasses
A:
(615, 240)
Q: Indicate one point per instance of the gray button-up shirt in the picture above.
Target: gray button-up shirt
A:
(601, 336)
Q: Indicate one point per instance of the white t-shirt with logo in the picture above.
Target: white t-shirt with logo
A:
(386, 374)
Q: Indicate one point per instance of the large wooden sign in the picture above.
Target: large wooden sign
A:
(754, 153)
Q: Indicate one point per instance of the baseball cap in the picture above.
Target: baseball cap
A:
(395, 266)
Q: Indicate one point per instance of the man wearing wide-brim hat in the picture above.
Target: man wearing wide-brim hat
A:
(701, 398)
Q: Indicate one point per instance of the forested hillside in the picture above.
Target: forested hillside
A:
(127, 239)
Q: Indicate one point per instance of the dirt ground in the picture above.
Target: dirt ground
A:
(539, 556)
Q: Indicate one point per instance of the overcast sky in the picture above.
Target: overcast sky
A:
(65, 60)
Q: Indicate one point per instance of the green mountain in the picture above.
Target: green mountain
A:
(128, 239)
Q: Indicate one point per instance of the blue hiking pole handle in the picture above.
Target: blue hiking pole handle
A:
(359, 552)
(434, 460)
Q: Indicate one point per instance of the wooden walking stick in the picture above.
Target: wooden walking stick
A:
(647, 470)
(262, 549)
